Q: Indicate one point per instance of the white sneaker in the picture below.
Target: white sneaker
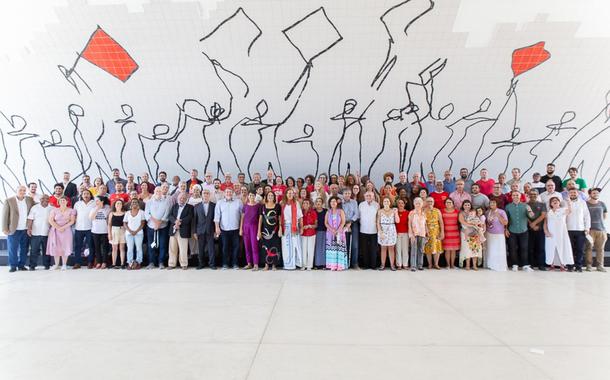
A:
(527, 268)
(64, 267)
(56, 267)
(515, 268)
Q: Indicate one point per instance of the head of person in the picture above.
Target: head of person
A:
(402, 193)
(162, 176)
(430, 203)
(431, 177)
(270, 197)
(347, 194)
(573, 194)
(516, 173)
(423, 193)
(175, 180)
(182, 198)
(116, 174)
(532, 195)
(401, 204)
(418, 203)
(550, 169)
(134, 205)
(466, 205)
(290, 182)
(388, 177)
(20, 191)
(493, 204)
(303, 193)
(194, 174)
(448, 175)
(270, 175)
(334, 179)
(416, 177)
(159, 192)
(145, 178)
(97, 182)
(449, 205)
(196, 191)
(483, 173)
(130, 178)
(305, 204)
(370, 186)
(386, 203)
(133, 195)
(119, 187)
(86, 179)
(117, 206)
(58, 190)
(290, 195)
(573, 172)
(594, 193)
(229, 193)
(333, 202)
(251, 197)
(536, 177)
(497, 189)
(66, 177)
(459, 185)
(387, 188)
(514, 186)
(267, 189)
(319, 204)
(228, 177)
(463, 173)
(63, 201)
(32, 187)
(241, 177)
(256, 178)
(131, 186)
(309, 179)
(206, 195)
(102, 189)
(554, 203)
(369, 196)
(527, 187)
(259, 190)
(502, 178)
(300, 182)
(479, 211)
(86, 195)
(550, 186)
(402, 177)
(44, 200)
(323, 178)
(438, 186)
(144, 191)
(475, 189)
(216, 183)
(415, 188)
(356, 190)
(571, 184)
(101, 201)
(279, 180)
(516, 196)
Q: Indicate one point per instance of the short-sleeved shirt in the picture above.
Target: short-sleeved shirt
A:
(580, 183)
(40, 220)
(517, 217)
(537, 208)
(251, 213)
(134, 222)
(309, 218)
(402, 227)
(439, 199)
(494, 226)
(480, 201)
(486, 186)
(558, 184)
(597, 211)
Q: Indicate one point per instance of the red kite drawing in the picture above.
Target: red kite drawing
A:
(526, 58)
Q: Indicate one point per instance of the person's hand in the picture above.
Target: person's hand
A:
(548, 234)
(109, 236)
(442, 236)
(259, 236)
(5, 232)
(412, 238)
(241, 232)
(195, 237)
(506, 233)
(217, 232)
(29, 232)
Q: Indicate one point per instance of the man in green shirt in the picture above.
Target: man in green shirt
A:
(581, 185)
(518, 217)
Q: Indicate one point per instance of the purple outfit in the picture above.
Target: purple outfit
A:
(60, 243)
(493, 224)
(250, 231)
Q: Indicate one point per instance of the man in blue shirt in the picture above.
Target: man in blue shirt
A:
(227, 216)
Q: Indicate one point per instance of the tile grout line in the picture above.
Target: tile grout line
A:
(544, 373)
(260, 341)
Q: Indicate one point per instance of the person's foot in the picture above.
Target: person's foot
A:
(579, 269)
(150, 266)
(199, 267)
(76, 266)
(437, 267)
(90, 266)
(47, 267)
(225, 267)
(235, 267)
(22, 268)
(13, 269)
(542, 268)
(137, 266)
(514, 268)
(420, 268)
(32, 268)
(116, 267)
(570, 269)
(104, 266)
(212, 267)
(589, 268)
(170, 268)
(161, 266)
(393, 269)
(185, 268)
(475, 268)
(266, 268)
(247, 267)
(527, 268)
(413, 269)
(255, 268)
(56, 267)
(274, 268)
(601, 269)
(356, 267)
(64, 267)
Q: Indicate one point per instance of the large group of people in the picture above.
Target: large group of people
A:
(333, 222)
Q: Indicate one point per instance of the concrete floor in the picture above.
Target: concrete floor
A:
(113, 324)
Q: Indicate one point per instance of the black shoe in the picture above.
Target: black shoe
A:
(579, 270)
(200, 267)
(47, 267)
(542, 269)
(32, 268)
(212, 267)
(13, 269)
(570, 269)
(22, 268)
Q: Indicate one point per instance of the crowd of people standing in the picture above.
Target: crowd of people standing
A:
(331, 222)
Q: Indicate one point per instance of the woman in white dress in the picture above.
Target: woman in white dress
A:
(557, 244)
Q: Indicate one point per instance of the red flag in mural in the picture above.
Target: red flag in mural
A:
(104, 52)
(526, 58)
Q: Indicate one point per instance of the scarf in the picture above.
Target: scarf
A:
(293, 211)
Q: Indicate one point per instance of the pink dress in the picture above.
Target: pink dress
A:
(60, 243)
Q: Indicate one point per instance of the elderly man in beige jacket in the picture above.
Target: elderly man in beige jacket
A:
(14, 226)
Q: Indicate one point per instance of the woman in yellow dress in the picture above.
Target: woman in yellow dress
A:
(434, 244)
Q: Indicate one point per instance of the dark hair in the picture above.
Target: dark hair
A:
(59, 184)
(290, 179)
(466, 202)
(267, 197)
(113, 209)
(311, 178)
(573, 168)
(553, 198)
(550, 164)
(595, 189)
(103, 199)
(162, 172)
(87, 190)
(424, 189)
(336, 198)
(32, 183)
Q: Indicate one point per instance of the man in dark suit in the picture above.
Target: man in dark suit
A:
(204, 229)
(180, 230)
(70, 189)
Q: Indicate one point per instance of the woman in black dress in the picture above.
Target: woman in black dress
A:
(269, 232)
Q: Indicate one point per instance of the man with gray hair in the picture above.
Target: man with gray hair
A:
(157, 216)
(368, 229)
(14, 226)
(203, 223)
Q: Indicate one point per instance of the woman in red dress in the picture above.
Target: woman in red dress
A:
(451, 242)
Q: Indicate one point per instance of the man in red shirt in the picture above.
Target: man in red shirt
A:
(439, 195)
(58, 192)
(417, 180)
(508, 197)
(228, 184)
(497, 196)
(486, 185)
(119, 194)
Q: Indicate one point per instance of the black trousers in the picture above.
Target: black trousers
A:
(100, 244)
(577, 239)
(369, 249)
(38, 244)
(230, 246)
(537, 255)
(518, 246)
(205, 243)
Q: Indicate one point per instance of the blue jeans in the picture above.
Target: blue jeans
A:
(131, 241)
(162, 243)
(17, 248)
(229, 238)
(38, 244)
(82, 240)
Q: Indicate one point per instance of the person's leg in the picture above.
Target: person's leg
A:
(138, 243)
(90, 247)
(374, 249)
(115, 249)
(97, 248)
(392, 256)
(413, 255)
(436, 257)
(540, 250)
(104, 245)
(234, 236)
(34, 251)
(384, 255)
(211, 249)
(129, 240)
(150, 237)
(12, 242)
(312, 246)
(355, 245)
(398, 251)
(163, 244)
(531, 248)
(183, 250)
(24, 244)
(599, 241)
(79, 237)
(513, 248)
(420, 252)
(523, 250)
(46, 260)
(201, 250)
(173, 251)
(225, 243)
(579, 249)
(247, 245)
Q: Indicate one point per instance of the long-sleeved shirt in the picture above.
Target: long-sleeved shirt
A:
(111, 184)
(350, 208)
(158, 209)
(228, 214)
(579, 218)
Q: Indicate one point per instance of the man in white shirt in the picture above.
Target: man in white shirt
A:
(208, 184)
(550, 193)
(32, 188)
(579, 223)
(14, 226)
(368, 229)
(83, 239)
(536, 184)
(38, 231)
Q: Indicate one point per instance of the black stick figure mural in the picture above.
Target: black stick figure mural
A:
(308, 132)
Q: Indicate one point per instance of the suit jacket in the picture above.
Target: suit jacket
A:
(204, 223)
(71, 190)
(10, 213)
(189, 182)
(186, 220)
